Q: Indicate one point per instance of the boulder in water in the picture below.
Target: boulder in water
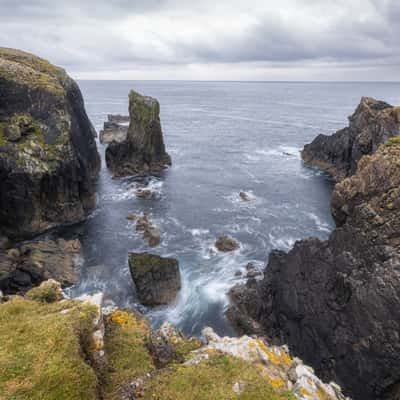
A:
(157, 279)
(226, 244)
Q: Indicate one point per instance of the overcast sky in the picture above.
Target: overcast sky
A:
(210, 39)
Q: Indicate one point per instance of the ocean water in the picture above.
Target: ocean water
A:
(223, 137)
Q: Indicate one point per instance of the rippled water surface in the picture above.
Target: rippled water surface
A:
(223, 138)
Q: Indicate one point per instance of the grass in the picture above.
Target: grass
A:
(393, 141)
(213, 380)
(125, 338)
(43, 353)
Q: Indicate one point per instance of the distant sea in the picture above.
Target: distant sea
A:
(223, 137)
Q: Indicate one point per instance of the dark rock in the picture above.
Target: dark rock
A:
(144, 193)
(226, 244)
(143, 151)
(163, 345)
(244, 196)
(336, 303)
(252, 271)
(48, 155)
(157, 279)
(372, 124)
(151, 234)
(115, 129)
(34, 262)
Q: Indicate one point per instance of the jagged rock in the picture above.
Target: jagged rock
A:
(115, 129)
(143, 151)
(244, 196)
(131, 217)
(144, 193)
(48, 155)
(34, 262)
(372, 124)
(275, 363)
(157, 279)
(163, 344)
(337, 302)
(151, 234)
(252, 271)
(226, 244)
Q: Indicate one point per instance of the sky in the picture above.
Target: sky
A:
(343, 40)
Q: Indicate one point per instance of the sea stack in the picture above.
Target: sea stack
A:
(143, 151)
(48, 155)
(372, 123)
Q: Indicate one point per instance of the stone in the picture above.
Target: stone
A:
(152, 236)
(131, 217)
(143, 151)
(252, 271)
(163, 345)
(47, 292)
(143, 223)
(144, 193)
(226, 244)
(244, 196)
(157, 279)
(34, 262)
(275, 363)
(372, 124)
(336, 303)
(48, 156)
(115, 129)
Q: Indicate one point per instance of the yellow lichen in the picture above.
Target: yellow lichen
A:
(279, 357)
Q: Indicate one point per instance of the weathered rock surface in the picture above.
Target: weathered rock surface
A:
(157, 279)
(34, 262)
(372, 124)
(337, 303)
(151, 234)
(143, 151)
(226, 244)
(48, 155)
(115, 129)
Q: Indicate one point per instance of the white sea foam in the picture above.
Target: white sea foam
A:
(321, 225)
(281, 243)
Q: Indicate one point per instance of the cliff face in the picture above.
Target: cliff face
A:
(336, 303)
(48, 155)
(143, 151)
(372, 124)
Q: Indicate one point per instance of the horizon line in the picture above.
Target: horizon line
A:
(231, 81)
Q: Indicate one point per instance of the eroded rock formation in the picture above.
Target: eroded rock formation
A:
(143, 151)
(48, 155)
(115, 129)
(337, 302)
(157, 279)
(373, 123)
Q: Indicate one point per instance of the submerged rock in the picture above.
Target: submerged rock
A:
(34, 262)
(150, 233)
(226, 244)
(157, 279)
(372, 124)
(143, 151)
(336, 303)
(48, 155)
(244, 196)
(115, 129)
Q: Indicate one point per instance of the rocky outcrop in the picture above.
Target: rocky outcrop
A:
(372, 124)
(337, 302)
(143, 151)
(151, 234)
(31, 263)
(115, 129)
(48, 155)
(157, 279)
(226, 244)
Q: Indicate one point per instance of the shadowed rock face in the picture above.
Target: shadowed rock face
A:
(372, 124)
(336, 303)
(48, 155)
(157, 279)
(143, 151)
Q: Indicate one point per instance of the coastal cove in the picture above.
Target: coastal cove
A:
(223, 138)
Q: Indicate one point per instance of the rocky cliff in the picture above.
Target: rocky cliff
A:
(143, 151)
(337, 302)
(48, 155)
(372, 124)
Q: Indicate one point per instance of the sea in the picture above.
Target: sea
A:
(223, 138)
